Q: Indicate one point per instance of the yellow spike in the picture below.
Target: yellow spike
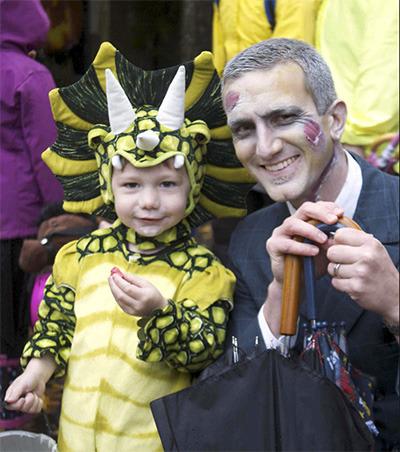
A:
(238, 175)
(62, 166)
(219, 210)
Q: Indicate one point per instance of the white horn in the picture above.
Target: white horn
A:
(116, 162)
(179, 161)
(171, 113)
(120, 111)
(147, 140)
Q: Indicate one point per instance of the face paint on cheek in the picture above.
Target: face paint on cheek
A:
(313, 132)
(315, 192)
(231, 100)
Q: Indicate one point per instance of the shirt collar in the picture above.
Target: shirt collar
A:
(350, 192)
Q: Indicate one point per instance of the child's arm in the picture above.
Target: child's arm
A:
(135, 295)
(26, 391)
(183, 335)
(190, 335)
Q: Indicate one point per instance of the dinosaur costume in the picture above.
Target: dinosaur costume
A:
(118, 364)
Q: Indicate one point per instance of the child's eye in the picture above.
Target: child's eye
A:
(131, 185)
(167, 184)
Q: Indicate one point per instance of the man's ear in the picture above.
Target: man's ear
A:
(337, 115)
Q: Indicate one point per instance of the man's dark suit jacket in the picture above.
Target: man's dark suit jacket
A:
(371, 347)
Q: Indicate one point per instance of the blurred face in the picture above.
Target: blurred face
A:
(278, 134)
(150, 200)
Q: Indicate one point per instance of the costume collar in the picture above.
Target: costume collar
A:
(167, 238)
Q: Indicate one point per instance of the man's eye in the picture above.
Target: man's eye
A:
(242, 131)
(285, 119)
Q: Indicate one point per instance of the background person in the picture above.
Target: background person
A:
(287, 122)
(359, 40)
(26, 184)
(238, 24)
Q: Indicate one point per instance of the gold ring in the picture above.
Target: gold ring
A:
(336, 270)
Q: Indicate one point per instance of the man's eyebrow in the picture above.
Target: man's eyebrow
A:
(280, 111)
(283, 111)
(234, 123)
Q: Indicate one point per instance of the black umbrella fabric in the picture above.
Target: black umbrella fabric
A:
(263, 403)
(267, 402)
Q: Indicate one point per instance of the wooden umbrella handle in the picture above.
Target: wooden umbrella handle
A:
(291, 283)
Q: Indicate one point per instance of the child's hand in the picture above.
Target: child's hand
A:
(25, 393)
(135, 295)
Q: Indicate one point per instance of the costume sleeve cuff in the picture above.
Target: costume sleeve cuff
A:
(270, 340)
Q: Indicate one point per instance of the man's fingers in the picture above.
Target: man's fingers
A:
(343, 254)
(287, 246)
(324, 212)
(352, 237)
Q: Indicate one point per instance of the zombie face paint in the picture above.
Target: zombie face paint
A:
(314, 194)
(278, 133)
(312, 131)
(231, 100)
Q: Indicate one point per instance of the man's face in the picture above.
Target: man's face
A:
(150, 200)
(277, 132)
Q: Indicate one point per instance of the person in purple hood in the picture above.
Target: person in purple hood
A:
(27, 128)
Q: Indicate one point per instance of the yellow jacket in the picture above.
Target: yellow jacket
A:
(238, 24)
(117, 365)
(359, 39)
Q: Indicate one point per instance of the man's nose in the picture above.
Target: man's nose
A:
(149, 198)
(268, 143)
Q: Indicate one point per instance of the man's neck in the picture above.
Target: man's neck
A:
(331, 182)
(334, 182)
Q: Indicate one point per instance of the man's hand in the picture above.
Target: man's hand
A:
(135, 295)
(282, 243)
(282, 240)
(366, 272)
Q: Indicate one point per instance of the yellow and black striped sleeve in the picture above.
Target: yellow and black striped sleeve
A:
(55, 328)
(187, 338)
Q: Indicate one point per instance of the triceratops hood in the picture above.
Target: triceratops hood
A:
(118, 110)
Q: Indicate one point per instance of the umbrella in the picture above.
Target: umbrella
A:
(387, 159)
(268, 401)
(322, 352)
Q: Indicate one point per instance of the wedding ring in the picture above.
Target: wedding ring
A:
(336, 270)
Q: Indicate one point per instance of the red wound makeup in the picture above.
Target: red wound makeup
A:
(231, 100)
(312, 131)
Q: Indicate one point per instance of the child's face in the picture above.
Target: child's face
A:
(150, 200)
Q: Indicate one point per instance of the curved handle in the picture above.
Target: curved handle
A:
(291, 279)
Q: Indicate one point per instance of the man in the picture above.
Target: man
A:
(286, 123)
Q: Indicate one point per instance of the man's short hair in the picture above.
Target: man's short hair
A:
(271, 52)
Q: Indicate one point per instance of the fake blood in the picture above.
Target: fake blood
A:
(231, 100)
(312, 131)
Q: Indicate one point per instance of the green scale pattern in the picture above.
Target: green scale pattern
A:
(186, 337)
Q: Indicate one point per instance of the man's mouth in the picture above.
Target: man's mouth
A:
(281, 165)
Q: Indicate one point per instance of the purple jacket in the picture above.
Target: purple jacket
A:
(27, 126)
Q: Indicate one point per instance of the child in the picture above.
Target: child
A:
(151, 165)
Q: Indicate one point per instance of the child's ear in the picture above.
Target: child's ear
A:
(199, 131)
(96, 136)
